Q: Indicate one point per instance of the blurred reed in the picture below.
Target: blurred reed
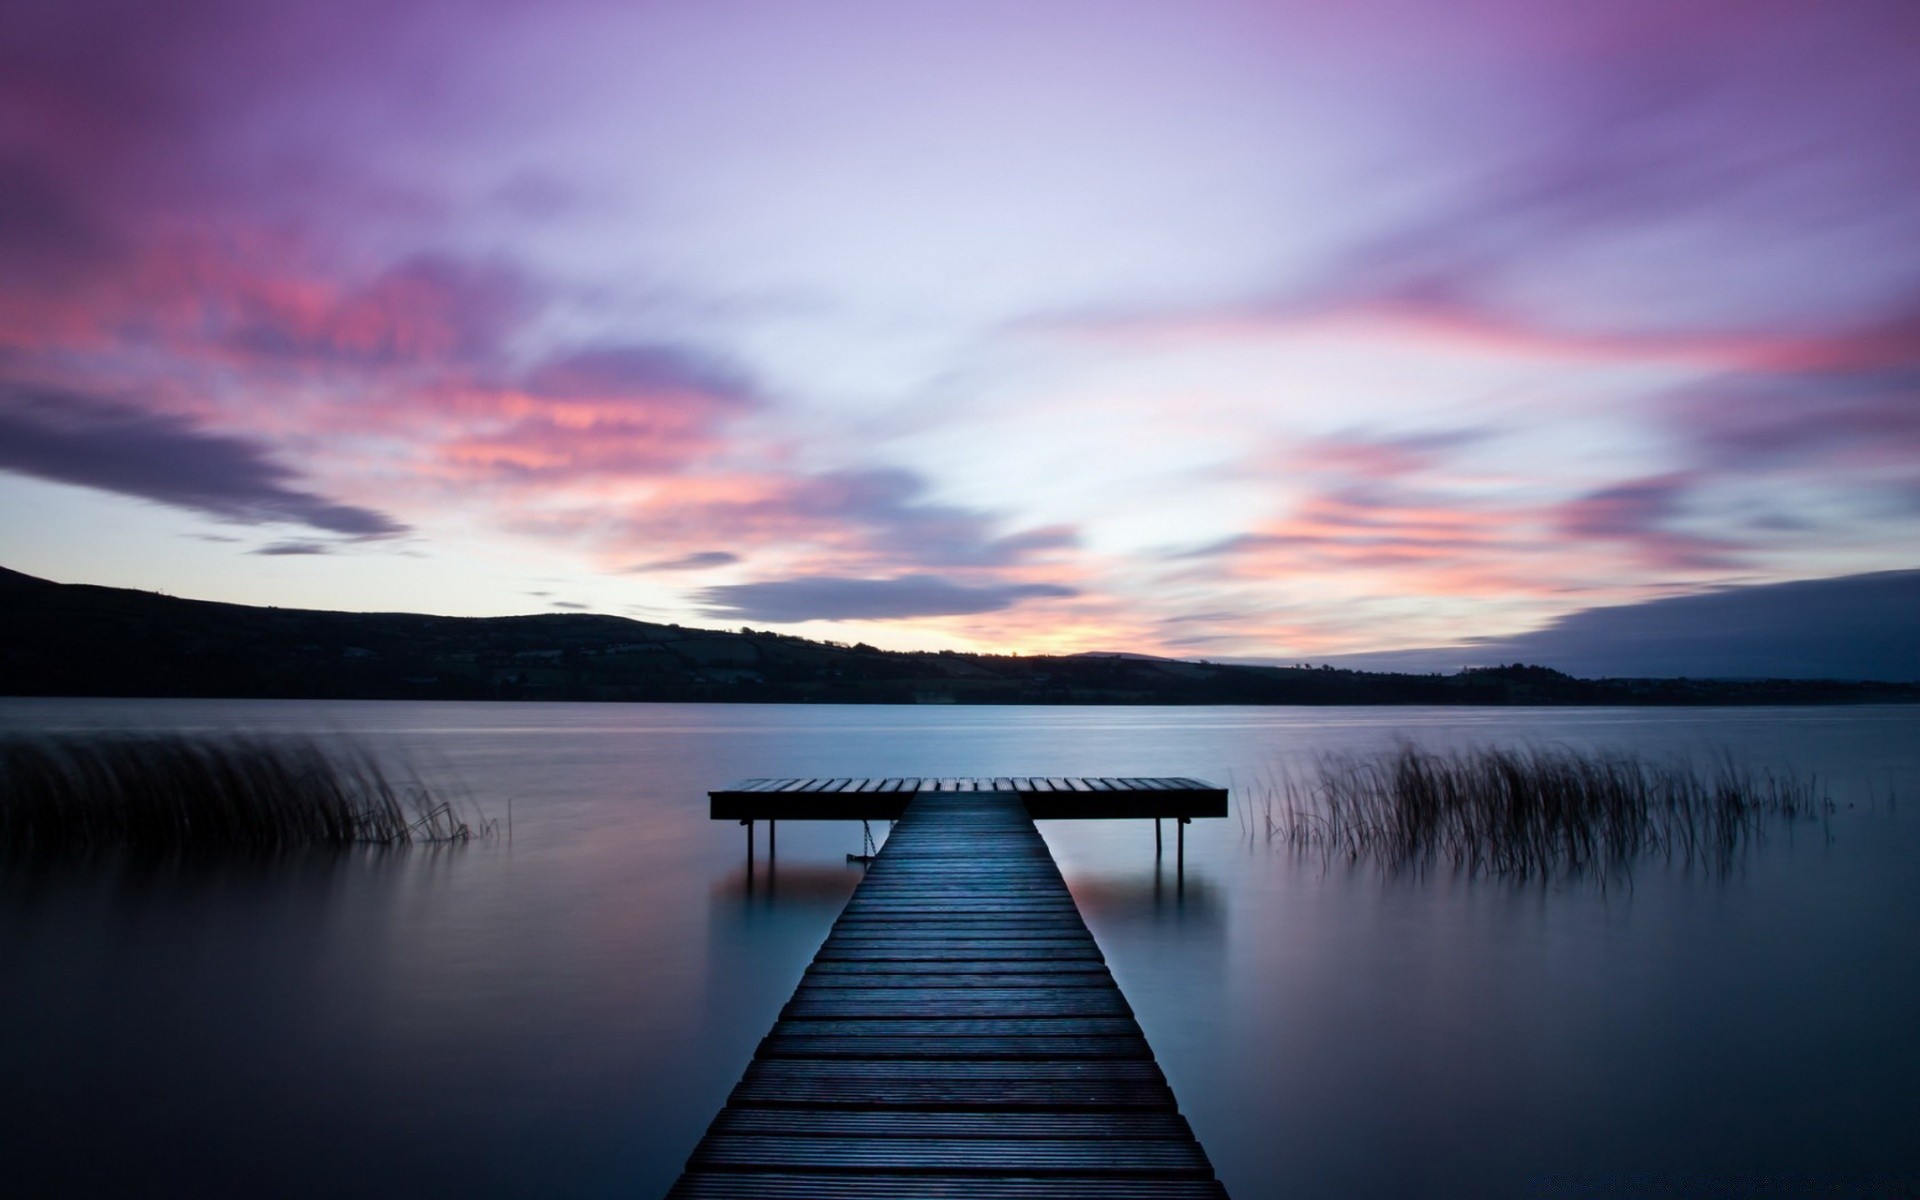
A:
(173, 791)
(1525, 813)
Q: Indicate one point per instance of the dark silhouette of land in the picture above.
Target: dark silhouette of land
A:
(79, 640)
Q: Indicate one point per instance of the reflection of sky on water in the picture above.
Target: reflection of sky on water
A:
(563, 1014)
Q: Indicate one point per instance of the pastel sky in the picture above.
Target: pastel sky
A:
(1215, 328)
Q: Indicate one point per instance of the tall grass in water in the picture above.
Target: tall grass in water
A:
(1528, 813)
(178, 792)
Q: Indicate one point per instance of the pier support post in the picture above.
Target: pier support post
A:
(772, 846)
(1180, 851)
(1157, 849)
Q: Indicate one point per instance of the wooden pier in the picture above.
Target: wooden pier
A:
(957, 1036)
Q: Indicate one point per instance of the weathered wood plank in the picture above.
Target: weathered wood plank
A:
(968, 1156)
(879, 1048)
(971, 1027)
(986, 967)
(736, 1185)
(851, 1123)
(911, 1090)
(941, 1074)
(959, 1004)
(961, 979)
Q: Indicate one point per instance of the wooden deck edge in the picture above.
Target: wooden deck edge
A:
(889, 806)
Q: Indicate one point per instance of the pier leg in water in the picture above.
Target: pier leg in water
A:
(957, 1035)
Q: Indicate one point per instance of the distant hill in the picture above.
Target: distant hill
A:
(79, 640)
(1846, 627)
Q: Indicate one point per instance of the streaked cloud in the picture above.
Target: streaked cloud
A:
(1642, 514)
(619, 411)
(91, 442)
(424, 310)
(862, 516)
(827, 598)
(699, 560)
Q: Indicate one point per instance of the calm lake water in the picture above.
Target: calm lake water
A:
(562, 1014)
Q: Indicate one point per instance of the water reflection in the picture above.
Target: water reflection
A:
(170, 1014)
(769, 882)
(138, 878)
(1156, 895)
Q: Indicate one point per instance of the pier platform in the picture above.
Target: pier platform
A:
(958, 1035)
(1044, 799)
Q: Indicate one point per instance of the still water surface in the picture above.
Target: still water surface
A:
(562, 1014)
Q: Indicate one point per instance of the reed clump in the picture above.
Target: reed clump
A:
(1531, 812)
(173, 792)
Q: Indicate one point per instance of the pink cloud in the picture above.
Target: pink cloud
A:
(1380, 457)
(1385, 517)
(422, 311)
(633, 437)
(621, 411)
(846, 520)
(1447, 326)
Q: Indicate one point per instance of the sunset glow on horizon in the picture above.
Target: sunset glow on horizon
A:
(1216, 329)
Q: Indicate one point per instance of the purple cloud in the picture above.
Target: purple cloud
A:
(832, 598)
(644, 409)
(428, 309)
(856, 517)
(689, 562)
(903, 527)
(1750, 422)
(1766, 172)
(642, 370)
(46, 233)
(83, 440)
(1640, 513)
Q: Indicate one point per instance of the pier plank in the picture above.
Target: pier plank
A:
(734, 1185)
(879, 1047)
(956, 1156)
(1079, 1126)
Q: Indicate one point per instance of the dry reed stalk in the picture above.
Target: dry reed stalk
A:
(1526, 813)
(174, 791)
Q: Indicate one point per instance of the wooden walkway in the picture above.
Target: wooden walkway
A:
(957, 1036)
